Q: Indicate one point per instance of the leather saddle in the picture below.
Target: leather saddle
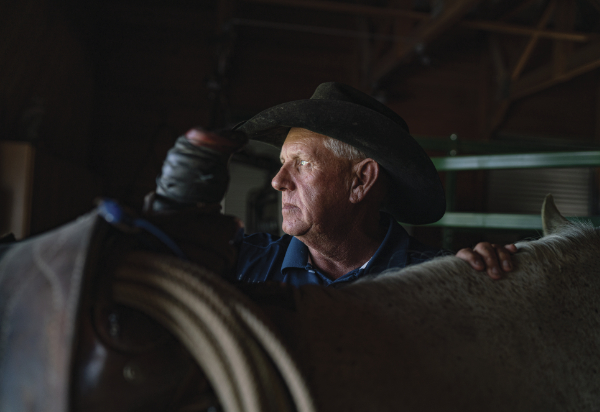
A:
(69, 343)
(65, 344)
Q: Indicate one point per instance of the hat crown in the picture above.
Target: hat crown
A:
(343, 92)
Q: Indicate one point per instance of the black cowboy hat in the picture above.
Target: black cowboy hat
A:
(346, 114)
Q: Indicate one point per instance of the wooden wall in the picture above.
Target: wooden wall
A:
(116, 84)
(151, 68)
(46, 95)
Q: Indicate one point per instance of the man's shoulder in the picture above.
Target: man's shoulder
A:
(265, 240)
(419, 252)
(260, 257)
(414, 251)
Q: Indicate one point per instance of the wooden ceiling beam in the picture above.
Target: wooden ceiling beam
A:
(346, 8)
(504, 28)
(157, 17)
(491, 26)
(503, 106)
(517, 10)
(422, 34)
(565, 19)
(532, 41)
(595, 3)
(397, 27)
(225, 11)
(502, 78)
(581, 61)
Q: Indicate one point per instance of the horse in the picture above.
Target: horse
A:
(439, 336)
(434, 336)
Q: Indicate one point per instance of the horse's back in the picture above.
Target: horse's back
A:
(441, 336)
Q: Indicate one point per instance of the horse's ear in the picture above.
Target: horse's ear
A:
(552, 220)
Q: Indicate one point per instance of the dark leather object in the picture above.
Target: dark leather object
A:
(207, 237)
(39, 296)
(124, 360)
(8, 238)
(197, 172)
(127, 362)
(65, 345)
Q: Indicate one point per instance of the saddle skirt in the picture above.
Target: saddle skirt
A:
(40, 290)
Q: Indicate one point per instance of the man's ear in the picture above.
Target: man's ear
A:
(365, 174)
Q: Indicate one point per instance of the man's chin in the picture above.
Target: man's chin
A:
(294, 229)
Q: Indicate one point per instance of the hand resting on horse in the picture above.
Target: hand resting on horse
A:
(496, 260)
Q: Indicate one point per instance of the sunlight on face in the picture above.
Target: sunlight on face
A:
(315, 185)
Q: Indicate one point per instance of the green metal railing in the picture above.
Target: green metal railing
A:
(517, 161)
(543, 159)
(518, 144)
(499, 221)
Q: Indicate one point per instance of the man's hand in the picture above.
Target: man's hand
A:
(494, 259)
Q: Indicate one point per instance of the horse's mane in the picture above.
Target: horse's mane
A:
(567, 245)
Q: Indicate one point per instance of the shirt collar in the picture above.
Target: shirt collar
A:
(394, 247)
(393, 251)
(296, 255)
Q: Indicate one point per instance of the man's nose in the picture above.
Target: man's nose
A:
(281, 181)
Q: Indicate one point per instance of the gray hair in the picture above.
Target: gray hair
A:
(343, 150)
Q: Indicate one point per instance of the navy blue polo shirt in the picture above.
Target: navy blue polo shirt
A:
(264, 257)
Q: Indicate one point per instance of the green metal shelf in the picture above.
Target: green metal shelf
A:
(499, 221)
(507, 155)
(514, 145)
(517, 161)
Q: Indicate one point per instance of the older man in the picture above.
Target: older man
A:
(331, 204)
(350, 170)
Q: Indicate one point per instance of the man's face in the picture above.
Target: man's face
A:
(315, 185)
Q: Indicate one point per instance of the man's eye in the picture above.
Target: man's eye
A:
(303, 162)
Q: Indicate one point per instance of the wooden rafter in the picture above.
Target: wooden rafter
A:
(517, 10)
(581, 61)
(491, 26)
(366, 53)
(498, 61)
(225, 11)
(526, 31)
(565, 19)
(398, 27)
(423, 33)
(345, 8)
(503, 106)
(532, 41)
(503, 82)
(595, 3)
(565, 64)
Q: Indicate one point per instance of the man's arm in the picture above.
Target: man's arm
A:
(496, 260)
(186, 202)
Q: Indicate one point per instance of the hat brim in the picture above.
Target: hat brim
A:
(418, 197)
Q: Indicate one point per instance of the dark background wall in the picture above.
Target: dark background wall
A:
(102, 89)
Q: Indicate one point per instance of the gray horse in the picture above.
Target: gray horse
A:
(439, 336)
(436, 336)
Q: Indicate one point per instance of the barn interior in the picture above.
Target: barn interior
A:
(94, 93)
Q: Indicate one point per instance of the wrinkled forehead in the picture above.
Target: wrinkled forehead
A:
(304, 140)
(299, 134)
